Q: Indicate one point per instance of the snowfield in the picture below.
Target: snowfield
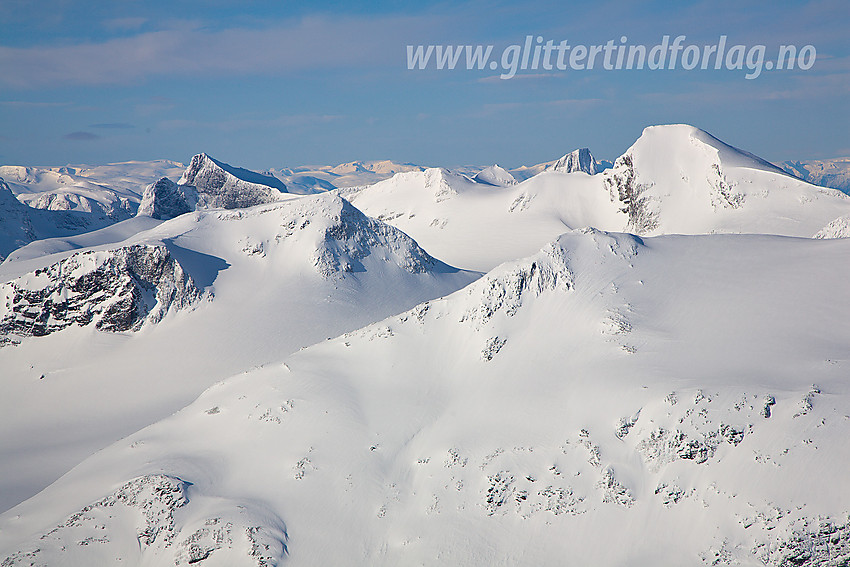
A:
(645, 364)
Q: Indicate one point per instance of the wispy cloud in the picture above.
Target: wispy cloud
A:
(519, 76)
(490, 109)
(32, 104)
(237, 124)
(124, 23)
(310, 43)
(80, 136)
(112, 126)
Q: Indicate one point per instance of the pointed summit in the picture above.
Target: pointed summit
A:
(577, 160)
(221, 185)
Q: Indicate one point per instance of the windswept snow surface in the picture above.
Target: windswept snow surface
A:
(276, 278)
(610, 400)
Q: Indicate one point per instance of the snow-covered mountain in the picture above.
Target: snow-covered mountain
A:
(578, 160)
(494, 175)
(21, 224)
(834, 173)
(164, 199)
(673, 179)
(220, 185)
(607, 387)
(657, 390)
(113, 190)
(274, 278)
(314, 179)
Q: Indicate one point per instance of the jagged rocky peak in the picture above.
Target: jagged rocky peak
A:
(116, 290)
(220, 185)
(495, 175)
(577, 160)
(165, 200)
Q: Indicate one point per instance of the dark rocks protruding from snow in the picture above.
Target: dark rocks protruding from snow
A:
(165, 200)
(577, 160)
(117, 290)
(220, 185)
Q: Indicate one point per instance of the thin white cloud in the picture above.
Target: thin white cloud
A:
(250, 124)
(310, 43)
(32, 104)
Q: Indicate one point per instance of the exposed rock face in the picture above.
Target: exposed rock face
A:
(220, 185)
(622, 185)
(148, 504)
(577, 160)
(117, 290)
(839, 228)
(165, 200)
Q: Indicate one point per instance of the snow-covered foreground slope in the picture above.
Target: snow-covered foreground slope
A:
(274, 278)
(674, 179)
(676, 400)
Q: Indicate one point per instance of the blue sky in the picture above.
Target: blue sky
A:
(275, 84)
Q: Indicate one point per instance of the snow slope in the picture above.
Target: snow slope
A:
(275, 278)
(673, 179)
(610, 400)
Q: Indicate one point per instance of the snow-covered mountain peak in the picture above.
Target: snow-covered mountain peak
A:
(339, 238)
(495, 175)
(164, 199)
(675, 142)
(220, 185)
(680, 179)
(444, 183)
(577, 160)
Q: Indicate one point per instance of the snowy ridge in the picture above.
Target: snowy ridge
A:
(604, 399)
(116, 290)
(220, 185)
(674, 179)
(284, 276)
